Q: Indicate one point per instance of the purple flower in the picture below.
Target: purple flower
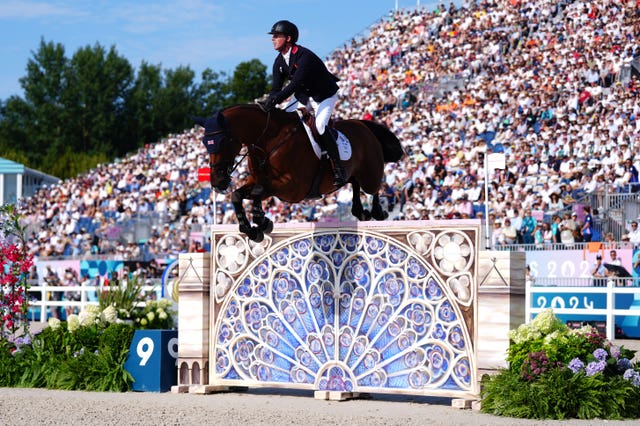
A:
(615, 351)
(600, 354)
(623, 364)
(632, 376)
(576, 365)
(595, 368)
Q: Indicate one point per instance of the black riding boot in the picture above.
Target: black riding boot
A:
(339, 175)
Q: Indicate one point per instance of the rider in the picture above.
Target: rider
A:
(311, 84)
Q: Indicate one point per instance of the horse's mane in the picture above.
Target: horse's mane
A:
(280, 114)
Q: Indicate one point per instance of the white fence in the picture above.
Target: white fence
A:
(43, 302)
(578, 297)
(587, 302)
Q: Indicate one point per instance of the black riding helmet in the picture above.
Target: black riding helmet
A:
(287, 28)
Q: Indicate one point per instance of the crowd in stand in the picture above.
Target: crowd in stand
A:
(539, 81)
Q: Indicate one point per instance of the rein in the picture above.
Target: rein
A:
(254, 150)
(266, 155)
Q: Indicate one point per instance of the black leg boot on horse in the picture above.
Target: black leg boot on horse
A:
(330, 145)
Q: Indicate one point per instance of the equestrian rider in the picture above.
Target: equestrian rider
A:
(312, 85)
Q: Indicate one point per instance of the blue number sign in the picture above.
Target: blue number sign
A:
(152, 360)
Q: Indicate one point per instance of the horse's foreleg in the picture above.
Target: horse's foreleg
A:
(245, 227)
(236, 200)
(264, 223)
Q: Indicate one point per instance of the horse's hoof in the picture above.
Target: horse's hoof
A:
(366, 215)
(380, 215)
(256, 234)
(266, 226)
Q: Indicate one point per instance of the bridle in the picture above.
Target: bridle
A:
(228, 166)
(254, 150)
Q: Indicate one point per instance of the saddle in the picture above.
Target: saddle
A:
(310, 120)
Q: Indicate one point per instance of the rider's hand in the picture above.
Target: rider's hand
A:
(270, 103)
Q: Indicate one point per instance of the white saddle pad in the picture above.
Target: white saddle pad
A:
(344, 146)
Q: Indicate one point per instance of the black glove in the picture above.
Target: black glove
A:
(271, 103)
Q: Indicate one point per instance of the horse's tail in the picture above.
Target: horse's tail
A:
(391, 148)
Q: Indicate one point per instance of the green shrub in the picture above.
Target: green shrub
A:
(85, 357)
(557, 373)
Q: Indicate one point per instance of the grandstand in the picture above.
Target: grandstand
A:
(551, 84)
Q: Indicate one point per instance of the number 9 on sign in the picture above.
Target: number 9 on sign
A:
(145, 350)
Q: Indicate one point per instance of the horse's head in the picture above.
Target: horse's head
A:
(222, 149)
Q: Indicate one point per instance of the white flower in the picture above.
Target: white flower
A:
(54, 323)
(151, 316)
(87, 318)
(164, 303)
(162, 315)
(94, 309)
(546, 322)
(73, 322)
(556, 335)
(524, 333)
(109, 315)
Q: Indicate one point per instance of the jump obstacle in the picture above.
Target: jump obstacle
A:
(343, 309)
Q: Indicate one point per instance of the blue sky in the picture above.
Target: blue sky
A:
(198, 33)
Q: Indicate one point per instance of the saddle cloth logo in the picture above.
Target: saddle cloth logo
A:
(344, 146)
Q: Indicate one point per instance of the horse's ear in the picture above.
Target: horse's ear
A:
(198, 120)
(220, 118)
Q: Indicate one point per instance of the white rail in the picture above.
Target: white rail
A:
(88, 296)
(578, 301)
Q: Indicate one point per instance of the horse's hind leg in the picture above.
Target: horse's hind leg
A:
(356, 204)
(377, 212)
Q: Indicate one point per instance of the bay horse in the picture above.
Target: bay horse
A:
(282, 162)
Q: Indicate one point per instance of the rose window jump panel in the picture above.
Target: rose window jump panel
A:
(366, 309)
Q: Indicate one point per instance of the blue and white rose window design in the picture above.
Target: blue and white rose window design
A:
(346, 311)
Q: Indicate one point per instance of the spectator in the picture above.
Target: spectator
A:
(509, 232)
(634, 234)
(598, 272)
(529, 225)
(496, 234)
(613, 258)
(460, 105)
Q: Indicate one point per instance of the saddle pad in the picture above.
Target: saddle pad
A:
(344, 146)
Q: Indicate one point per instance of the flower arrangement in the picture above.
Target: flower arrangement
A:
(15, 264)
(157, 314)
(556, 373)
(128, 301)
(124, 295)
(86, 352)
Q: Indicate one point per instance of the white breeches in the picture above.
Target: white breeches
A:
(322, 110)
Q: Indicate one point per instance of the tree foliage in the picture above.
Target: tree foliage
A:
(94, 106)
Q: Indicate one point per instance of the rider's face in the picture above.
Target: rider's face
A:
(279, 42)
